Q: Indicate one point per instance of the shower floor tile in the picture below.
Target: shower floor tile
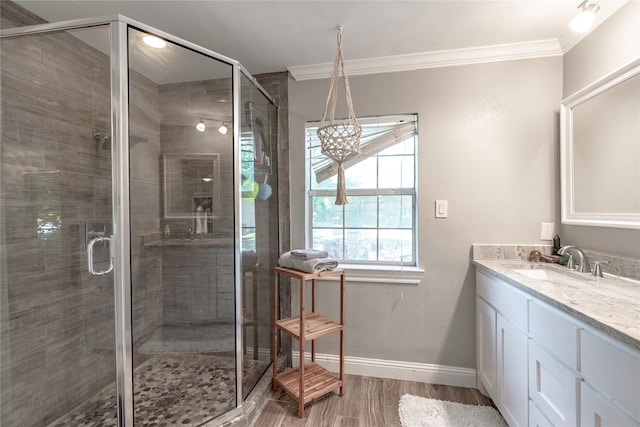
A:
(169, 390)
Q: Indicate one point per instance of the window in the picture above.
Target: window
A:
(378, 225)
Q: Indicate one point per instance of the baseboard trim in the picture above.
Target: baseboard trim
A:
(395, 369)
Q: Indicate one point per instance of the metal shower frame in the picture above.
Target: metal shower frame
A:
(121, 238)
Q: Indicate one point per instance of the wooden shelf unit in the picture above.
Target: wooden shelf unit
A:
(307, 381)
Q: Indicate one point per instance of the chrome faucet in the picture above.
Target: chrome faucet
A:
(583, 262)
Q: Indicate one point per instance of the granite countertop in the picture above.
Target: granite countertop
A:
(610, 304)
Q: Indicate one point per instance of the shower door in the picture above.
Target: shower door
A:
(57, 319)
(182, 233)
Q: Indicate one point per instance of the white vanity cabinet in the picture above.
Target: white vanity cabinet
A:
(553, 362)
(502, 347)
(610, 390)
(486, 346)
(547, 367)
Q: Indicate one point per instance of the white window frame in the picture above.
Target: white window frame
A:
(371, 271)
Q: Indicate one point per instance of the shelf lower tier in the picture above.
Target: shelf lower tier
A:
(317, 382)
(315, 326)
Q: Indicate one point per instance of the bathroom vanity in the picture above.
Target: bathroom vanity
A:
(556, 347)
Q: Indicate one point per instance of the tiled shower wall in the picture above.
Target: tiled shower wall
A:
(198, 283)
(57, 326)
(145, 190)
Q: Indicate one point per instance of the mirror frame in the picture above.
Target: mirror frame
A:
(214, 158)
(569, 215)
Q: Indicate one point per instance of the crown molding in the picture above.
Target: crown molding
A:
(435, 59)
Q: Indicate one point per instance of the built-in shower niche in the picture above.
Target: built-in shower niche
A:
(191, 190)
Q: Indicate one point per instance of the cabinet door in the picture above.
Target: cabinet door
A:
(552, 386)
(513, 400)
(486, 345)
(597, 411)
(536, 417)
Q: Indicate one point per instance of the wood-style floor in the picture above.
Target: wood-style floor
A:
(367, 402)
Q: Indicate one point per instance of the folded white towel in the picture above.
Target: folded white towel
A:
(309, 253)
(313, 265)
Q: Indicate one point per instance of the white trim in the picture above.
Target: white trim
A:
(385, 274)
(568, 212)
(435, 59)
(397, 370)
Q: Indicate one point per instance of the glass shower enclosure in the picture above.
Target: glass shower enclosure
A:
(138, 227)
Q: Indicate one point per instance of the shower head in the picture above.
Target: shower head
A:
(105, 139)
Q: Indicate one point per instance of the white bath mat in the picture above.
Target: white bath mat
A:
(418, 411)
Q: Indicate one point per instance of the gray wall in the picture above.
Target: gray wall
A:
(488, 138)
(615, 43)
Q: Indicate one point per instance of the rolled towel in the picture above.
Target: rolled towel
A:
(309, 253)
(313, 265)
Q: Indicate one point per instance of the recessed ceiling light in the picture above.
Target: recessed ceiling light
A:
(154, 42)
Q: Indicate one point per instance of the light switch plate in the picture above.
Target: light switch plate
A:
(442, 208)
(547, 231)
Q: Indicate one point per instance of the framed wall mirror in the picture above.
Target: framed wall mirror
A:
(600, 152)
(191, 181)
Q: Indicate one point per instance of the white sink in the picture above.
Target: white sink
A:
(533, 273)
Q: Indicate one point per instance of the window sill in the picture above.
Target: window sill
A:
(388, 274)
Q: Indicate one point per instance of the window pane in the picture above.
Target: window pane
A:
(396, 211)
(396, 172)
(248, 238)
(362, 175)
(327, 184)
(329, 240)
(396, 246)
(377, 224)
(360, 245)
(361, 211)
(326, 213)
(315, 151)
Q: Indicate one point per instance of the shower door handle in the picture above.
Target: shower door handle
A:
(90, 256)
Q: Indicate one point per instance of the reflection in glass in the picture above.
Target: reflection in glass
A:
(258, 167)
(606, 151)
(57, 354)
(183, 290)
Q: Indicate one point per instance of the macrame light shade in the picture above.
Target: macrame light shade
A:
(339, 140)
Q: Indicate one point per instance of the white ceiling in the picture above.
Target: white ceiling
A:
(269, 36)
